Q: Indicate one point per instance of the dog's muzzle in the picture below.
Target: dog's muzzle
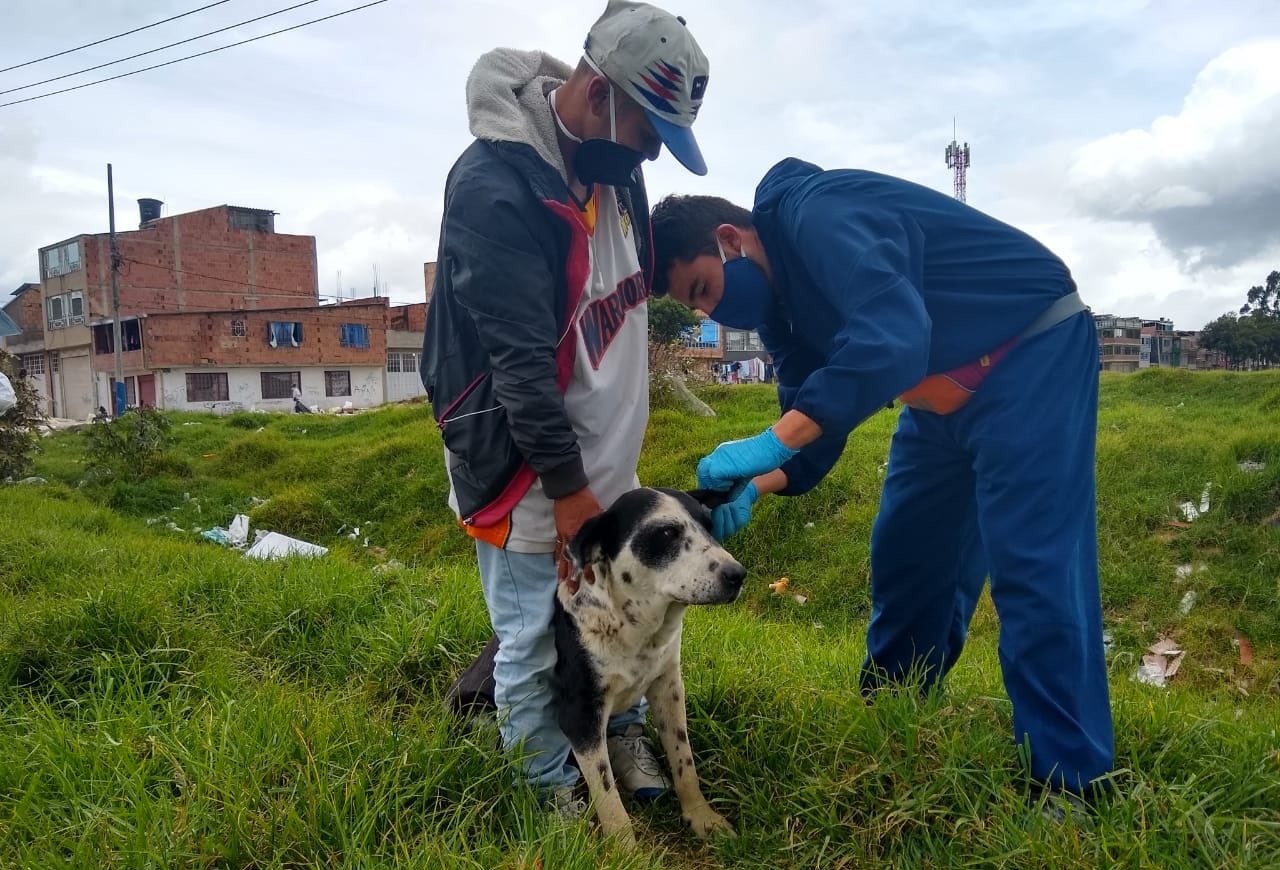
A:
(730, 577)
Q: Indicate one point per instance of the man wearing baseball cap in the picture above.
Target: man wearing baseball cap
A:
(535, 356)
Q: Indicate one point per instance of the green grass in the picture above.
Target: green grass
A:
(166, 703)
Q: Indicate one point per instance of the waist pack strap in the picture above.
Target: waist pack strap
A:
(1067, 306)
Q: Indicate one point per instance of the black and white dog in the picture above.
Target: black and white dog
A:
(637, 566)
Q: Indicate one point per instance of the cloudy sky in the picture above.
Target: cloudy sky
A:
(1138, 139)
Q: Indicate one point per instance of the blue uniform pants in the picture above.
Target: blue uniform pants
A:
(1004, 487)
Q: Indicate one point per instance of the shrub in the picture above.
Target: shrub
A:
(19, 436)
(129, 446)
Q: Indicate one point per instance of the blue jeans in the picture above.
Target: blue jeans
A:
(519, 589)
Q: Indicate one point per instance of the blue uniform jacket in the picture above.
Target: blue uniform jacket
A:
(879, 283)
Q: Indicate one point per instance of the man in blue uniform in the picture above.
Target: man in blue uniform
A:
(866, 288)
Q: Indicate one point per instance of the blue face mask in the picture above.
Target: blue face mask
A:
(747, 300)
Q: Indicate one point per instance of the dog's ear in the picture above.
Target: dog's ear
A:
(709, 498)
(598, 534)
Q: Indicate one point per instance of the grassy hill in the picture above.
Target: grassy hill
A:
(166, 703)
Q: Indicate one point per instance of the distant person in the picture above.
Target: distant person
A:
(535, 354)
(298, 407)
(864, 288)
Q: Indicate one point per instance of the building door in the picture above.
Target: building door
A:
(76, 399)
(147, 390)
(403, 380)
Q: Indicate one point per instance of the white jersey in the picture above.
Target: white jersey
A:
(607, 399)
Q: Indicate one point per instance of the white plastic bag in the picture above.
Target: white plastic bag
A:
(8, 398)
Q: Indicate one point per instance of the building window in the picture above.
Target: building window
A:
(284, 333)
(104, 340)
(251, 219)
(32, 362)
(207, 387)
(62, 260)
(337, 383)
(353, 335)
(279, 385)
(737, 339)
(66, 309)
(402, 361)
(237, 329)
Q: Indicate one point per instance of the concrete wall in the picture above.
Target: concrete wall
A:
(244, 389)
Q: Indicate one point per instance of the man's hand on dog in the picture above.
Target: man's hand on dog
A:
(571, 512)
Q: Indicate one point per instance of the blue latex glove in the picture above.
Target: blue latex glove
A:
(734, 463)
(732, 516)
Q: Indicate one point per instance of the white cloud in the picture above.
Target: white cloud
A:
(1207, 180)
(348, 128)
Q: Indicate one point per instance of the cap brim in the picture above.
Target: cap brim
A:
(680, 142)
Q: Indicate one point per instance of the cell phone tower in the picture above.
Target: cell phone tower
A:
(958, 162)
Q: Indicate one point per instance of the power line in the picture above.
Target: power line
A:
(161, 48)
(117, 36)
(191, 56)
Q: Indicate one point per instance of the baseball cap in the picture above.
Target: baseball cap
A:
(651, 55)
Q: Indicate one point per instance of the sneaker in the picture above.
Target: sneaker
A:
(635, 766)
(566, 803)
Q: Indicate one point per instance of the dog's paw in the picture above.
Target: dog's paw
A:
(706, 822)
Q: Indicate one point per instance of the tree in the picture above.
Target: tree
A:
(1264, 300)
(669, 321)
(1251, 339)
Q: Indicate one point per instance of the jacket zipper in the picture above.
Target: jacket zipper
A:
(462, 397)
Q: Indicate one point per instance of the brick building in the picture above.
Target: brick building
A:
(722, 346)
(218, 312)
(405, 327)
(252, 359)
(215, 259)
(429, 279)
(1119, 342)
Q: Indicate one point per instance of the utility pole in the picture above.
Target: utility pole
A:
(119, 391)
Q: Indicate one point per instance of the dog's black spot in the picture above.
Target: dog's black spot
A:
(631, 618)
(626, 576)
(682, 736)
(608, 531)
(607, 784)
(579, 695)
(658, 545)
(688, 545)
(714, 566)
(675, 696)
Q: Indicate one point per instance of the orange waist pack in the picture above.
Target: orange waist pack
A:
(948, 392)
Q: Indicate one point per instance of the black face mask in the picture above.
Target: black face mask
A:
(601, 161)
